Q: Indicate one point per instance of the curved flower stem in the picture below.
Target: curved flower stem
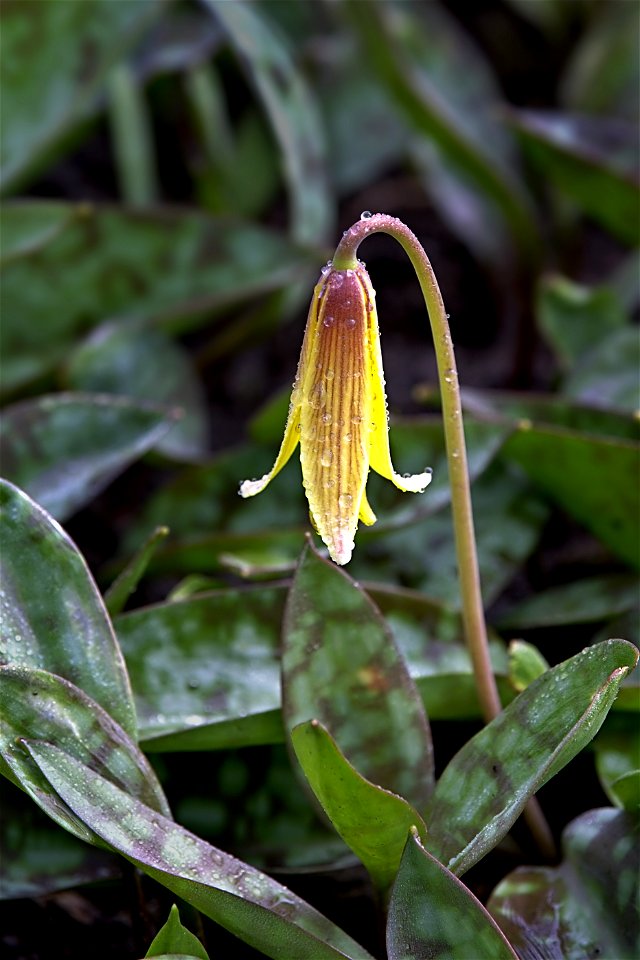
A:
(472, 610)
(475, 629)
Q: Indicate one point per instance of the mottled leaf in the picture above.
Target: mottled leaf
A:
(54, 58)
(141, 362)
(124, 585)
(584, 601)
(575, 319)
(340, 665)
(174, 938)
(53, 615)
(593, 160)
(248, 903)
(585, 908)
(292, 112)
(35, 703)
(432, 914)
(65, 448)
(372, 821)
(520, 750)
(168, 266)
(38, 858)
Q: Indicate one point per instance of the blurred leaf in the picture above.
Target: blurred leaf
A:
(372, 821)
(617, 750)
(248, 903)
(64, 449)
(206, 669)
(433, 914)
(608, 375)
(423, 62)
(526, 664)
(55, 57)
(132, 138)
(144, 363)
(168, 266)
(53, 615)
(584, 601)
(592, 160)
(174, 938)
(39, 224)
(520, 750)
(292, 111)
(38, 858)
(335, 639)
(125, 584)
(38, 704)
(575, 319)
(603, 75)
(593, 478)
(584, 908)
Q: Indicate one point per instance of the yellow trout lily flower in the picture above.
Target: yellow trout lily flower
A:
(338, 411)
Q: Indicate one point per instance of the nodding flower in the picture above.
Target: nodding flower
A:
(338, 411)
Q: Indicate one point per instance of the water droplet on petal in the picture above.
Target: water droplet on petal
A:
(366, 215)
(326, 417)
(328, 321)
(344, 501)
(350, 322)
(326, 457)
(329, 374)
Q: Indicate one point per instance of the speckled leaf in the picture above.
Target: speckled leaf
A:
(292, 111)
(54, 58)
(127, 580)
(372, 821)
(433, 915)
(174, 938)
(595, 479)
(53, 615)
(206, 669)
(144, 363)
(514, 755)
(340, 665)
(617, 750)
(593, 160)
(35, 703)
(584, 601)
(574, 318)
(248, 903)
(585, 908)
(38, 858)
(65, 448)
(168, 266)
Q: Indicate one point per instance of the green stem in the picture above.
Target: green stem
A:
(472, 610)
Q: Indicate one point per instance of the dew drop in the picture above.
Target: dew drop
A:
(329, 374)
(347, 438)
(326, 417)
(345, 500)
(326, 457)
(366, 215)
(357, 419)
(350, 322)
(328, 484)
(328, 321)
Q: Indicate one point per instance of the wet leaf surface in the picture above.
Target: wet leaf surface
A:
(520, 750)
(433, 914)
(584, 908)
(340, 666)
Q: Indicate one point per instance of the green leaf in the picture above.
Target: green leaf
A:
(608, 375)
(53, 615)
(334, 639)
(55, 57)
(585, 601)
(64, 449)
(592, 160)
(593, 478)
(372, 821)
(140, 362)
(132, 138)
(586, 907)
(125, 584)
(248, 903)
(617, 750)
(576, 319)
(520, 750)
(38, 858)
(526, 664)
(433, 914)
(292, 112)
(168, 266)
(35, 703)
(176, 939)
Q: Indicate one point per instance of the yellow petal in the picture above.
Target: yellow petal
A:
(379, 452)
(249, 488)
(335, 413)
(366, 514)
